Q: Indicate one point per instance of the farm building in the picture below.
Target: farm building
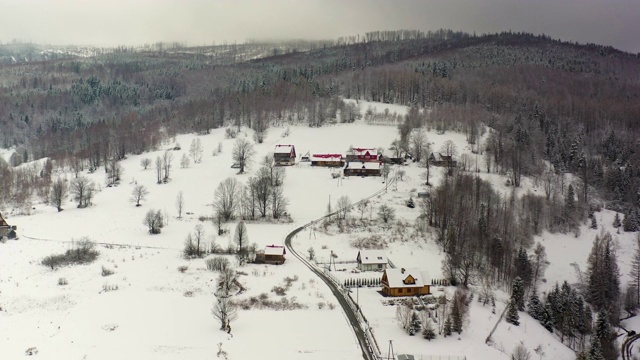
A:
(6, 230)
(405, 282)
(371, 260)
(357, 168)
(284, 155)
(328, 160)
(272, 254)
(440, 159)
(363, 155)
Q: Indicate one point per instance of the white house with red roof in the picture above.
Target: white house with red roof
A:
(284, 155)
(327, 160)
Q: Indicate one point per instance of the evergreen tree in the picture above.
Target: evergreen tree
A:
(456, 316)
(630, 223)
(635, 269)
(447, 327)
(524, 270)
(594, 224)
(616, 221)
(604, 333)
(547, 318)
(535, 308)
(414, 326)
(517, 293)
(428, 332)
(595, 351)
(570, 202)
(512, 316)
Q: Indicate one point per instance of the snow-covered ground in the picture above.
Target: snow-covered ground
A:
(158, 312)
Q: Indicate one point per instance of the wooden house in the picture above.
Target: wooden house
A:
(284, 155)
(6, 230)
(357, 168)
(405, 282)
(440, 159)
(371, 260)
(363, 155)
(327, 160)
(272, 254)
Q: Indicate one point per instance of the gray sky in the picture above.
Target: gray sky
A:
(197, 22)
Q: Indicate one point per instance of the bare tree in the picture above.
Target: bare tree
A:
(401, 173)
(114, 172)
(180, 203)
(59, 190)
(154, 220)
(241, 238)
(198, 238)
(145, 163)
(184, 161)
(403, 315)
(138, 194)
(195, 150)
(226, 198)
(450, 150)
(82, 191)
(227, 282)
(418, 144)
(262, 189)
(167, 158)
(242, 153)
(362, 207)
(225, 311)
(386, 213)
(344, 206)
(159, 169)
(278, 202)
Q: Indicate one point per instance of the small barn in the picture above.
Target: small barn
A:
(405, 282)
(284, 155)
(371, 260)
(6, 230)
(440, 159)
(272, 254)
(363, 155)
(327, 160)
(357, 168)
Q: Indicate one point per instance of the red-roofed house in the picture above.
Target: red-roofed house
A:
(328, 160)
(363, 154)
(284, 155)
(405, 282)
(272, 254)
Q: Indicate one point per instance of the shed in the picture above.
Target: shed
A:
(405, 282)
(371, 260)
(7, 230)
(272, 254)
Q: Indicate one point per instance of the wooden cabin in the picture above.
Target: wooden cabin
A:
(327, 160)
(357, 168)
(371, 260)
(7, 230)
(405, 282)
(363, 155)
(272, 254)
(440, 159)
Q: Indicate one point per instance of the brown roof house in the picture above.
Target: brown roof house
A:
(272, 254)
(371, 260)
(405, 282)
(284, 155)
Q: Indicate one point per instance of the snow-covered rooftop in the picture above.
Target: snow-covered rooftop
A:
(283, 149)
(372, 257)
(397, 277)
(274, 250)
(363, 165)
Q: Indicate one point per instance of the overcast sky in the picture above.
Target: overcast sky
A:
(197, 22)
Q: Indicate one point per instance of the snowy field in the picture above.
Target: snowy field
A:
(149, 310)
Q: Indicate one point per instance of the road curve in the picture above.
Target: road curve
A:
(627, 345)
(367, 352)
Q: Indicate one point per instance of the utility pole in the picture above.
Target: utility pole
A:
(391, 355)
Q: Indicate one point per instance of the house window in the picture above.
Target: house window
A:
(379, 266)
(400, 291)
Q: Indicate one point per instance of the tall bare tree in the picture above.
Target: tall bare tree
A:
(243, 153)
(241, 238)
(418, 144)
(226, 198)
(167, 159)
(82, 191)
(138, 194)
(180, 203)
(59, 191)
(225, 311)
(344, 206)
(195, 150)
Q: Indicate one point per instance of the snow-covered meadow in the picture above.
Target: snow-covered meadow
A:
(149, 310)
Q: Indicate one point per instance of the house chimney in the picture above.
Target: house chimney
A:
(402, 270)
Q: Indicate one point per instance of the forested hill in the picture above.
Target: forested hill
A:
(577, 106)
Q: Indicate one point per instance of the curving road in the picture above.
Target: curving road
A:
(367, 351)
(627, 345)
